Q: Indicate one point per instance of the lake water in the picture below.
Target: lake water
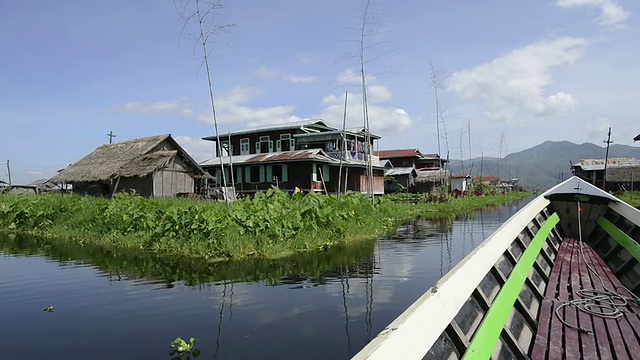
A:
(325, 305)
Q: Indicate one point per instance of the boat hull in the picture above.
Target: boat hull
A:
(491, 304)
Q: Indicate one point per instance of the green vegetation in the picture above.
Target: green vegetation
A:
(183, 350)
(269, 225)
(312, 266)
(630, 197)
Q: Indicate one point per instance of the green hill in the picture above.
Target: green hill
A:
(544, 165)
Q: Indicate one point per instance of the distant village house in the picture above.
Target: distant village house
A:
(155, 166)
(429, 168)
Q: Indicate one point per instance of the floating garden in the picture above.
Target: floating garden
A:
(270, 225)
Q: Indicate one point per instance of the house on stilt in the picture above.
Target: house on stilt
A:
(308, 155)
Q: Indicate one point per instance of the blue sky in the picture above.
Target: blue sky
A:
(510, 74)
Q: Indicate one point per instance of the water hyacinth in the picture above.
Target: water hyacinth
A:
(271, 224)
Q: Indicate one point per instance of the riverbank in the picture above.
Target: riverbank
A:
(270, 225)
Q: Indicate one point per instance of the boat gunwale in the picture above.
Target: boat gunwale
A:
(449, 294)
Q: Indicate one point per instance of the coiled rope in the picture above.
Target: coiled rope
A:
(604, 303)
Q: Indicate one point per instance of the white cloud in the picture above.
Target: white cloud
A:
(382, 120)
(611, 12)
(266, 73)
(231, 109)
(200, 150)
(156, 107)
(511, 87)
(596, 128)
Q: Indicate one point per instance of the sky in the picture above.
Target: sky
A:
(464, 78)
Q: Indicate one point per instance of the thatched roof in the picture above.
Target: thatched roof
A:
(134, 158)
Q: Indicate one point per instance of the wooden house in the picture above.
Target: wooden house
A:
(460, 182)
(155, 166)
(429, 167)
(308, 155)
(621, 173)
(412, 158)
(400, 179)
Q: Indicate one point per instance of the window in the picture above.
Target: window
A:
(277, 173)
(321, 172)
(224, 151)
(264, 145)
(244, 146)
(257, 174)
(285, 143)
(227, 177)
(238, 178)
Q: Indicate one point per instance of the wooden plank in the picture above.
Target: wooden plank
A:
(582, 280)
(541, 343)
(552, 286)
(609, 335)
(557, 329)
(629, 323)
(571, 337)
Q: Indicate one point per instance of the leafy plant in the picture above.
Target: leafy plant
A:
(184, 350)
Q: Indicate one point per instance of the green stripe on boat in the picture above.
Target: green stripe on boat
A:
(485, 340)
(618, 235)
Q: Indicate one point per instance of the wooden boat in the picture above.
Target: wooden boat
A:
(558, 280)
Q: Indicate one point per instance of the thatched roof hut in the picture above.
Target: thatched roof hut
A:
(152, 166)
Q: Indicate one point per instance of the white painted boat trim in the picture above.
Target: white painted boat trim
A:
(411, 335)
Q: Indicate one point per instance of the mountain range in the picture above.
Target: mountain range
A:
(541, 166)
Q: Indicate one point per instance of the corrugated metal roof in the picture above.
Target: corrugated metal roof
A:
(282, 126)
(317, 155)
(400, 171)
(388, 154)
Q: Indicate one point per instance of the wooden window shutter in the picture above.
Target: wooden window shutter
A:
(269, 173)
(325, 172)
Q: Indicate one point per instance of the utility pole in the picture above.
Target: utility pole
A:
(606, 158)
(111, 135)
(9, 172)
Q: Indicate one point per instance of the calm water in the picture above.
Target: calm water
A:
(313, 306)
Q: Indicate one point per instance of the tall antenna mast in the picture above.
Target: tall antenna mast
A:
(343, 152)
(606, 159)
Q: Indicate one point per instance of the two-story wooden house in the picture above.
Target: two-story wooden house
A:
(428, 167)
(411, 158)
(308, 155)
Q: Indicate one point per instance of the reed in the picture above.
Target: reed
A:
(270, 225)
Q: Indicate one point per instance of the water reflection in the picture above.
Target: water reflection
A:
(320, 304)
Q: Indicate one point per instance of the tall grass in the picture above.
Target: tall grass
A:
(269, 225)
